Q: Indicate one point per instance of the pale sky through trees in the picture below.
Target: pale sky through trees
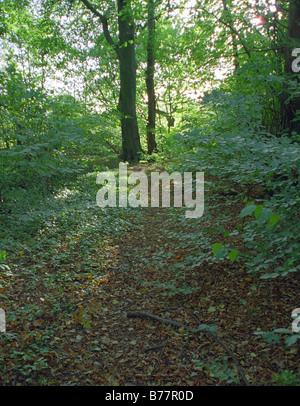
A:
(65, 80)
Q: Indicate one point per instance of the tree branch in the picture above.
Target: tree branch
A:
(195, 331)
(231, 28)
(104, 23)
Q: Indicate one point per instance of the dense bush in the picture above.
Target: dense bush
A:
(46, 141)
(260, 169)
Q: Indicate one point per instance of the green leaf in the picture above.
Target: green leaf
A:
(2, 255)
(95, 348)
(216, 247)
(232, 255)
(292, 339)
(220, 229)
(207, 327)
(274, 218)
(269, 275)
(258, 210)
(264, 215)
(282, 330)
(269, 337)
(248, 210)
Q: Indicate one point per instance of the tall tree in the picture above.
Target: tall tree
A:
(125, 52)
(234, 38)
(151, 143)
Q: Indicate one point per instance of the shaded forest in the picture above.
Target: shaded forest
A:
(140, 295)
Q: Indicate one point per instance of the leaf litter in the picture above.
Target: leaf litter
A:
(68, 292)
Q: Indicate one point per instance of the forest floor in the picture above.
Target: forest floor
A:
(68, 293)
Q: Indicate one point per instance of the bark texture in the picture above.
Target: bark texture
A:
(151, 142)
(131, 146)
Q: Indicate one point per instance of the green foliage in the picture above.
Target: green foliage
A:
(45, 143)
(219, 369)
(250, 165)
(3, 267)
(232, 129)
(273, 337)
(34, 137)
(288, 378)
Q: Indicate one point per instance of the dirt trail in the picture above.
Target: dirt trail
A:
(141, 352)
(150, 270)
(145, 352)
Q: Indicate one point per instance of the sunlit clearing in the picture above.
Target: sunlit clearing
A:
(65, 193)
(259, 20)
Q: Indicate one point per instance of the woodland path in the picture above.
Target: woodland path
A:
(92, 341)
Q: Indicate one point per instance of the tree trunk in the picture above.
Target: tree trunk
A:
(151, 143)
(131, 146)
(234, 40)
(290, 104)
(125, 52)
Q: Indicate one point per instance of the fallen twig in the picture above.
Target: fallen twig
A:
(194, 331)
